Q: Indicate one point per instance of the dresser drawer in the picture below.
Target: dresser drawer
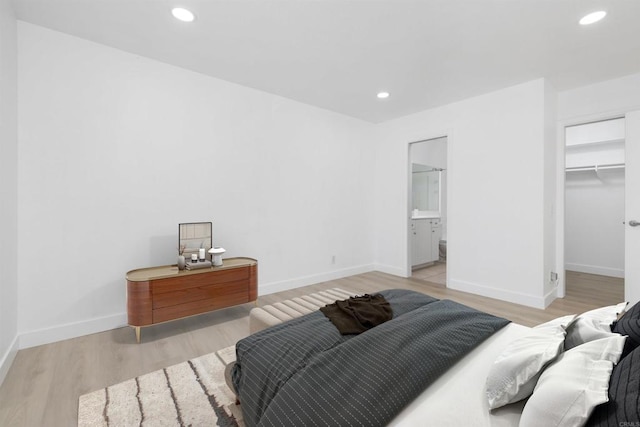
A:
(199, 280)
(205, 292)
(172, 305)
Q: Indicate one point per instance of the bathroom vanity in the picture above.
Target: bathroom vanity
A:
(425, 239)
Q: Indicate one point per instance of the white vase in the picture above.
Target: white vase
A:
(182, 264)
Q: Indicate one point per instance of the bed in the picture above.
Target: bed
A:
(463, 386)
(421, 367)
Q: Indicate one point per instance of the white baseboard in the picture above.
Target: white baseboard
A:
(395, 271)
(501, 294)
(551, 296)
(595, 269)
(7, 359)
(72, 330)
(285, 285)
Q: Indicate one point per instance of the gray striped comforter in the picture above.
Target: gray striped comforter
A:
(304, 373)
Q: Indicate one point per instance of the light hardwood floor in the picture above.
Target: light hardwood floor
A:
(44, 383)
(436, 273)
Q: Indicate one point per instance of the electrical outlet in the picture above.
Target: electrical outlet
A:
(333, 259)
(554, 276)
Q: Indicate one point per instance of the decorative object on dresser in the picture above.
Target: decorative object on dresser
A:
(195, 265)
(216, 255)
(195, 238)
(160, 294)
(182, 263)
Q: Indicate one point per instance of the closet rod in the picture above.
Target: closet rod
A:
(595, 167)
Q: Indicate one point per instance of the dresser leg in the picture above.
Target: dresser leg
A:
(137, 334)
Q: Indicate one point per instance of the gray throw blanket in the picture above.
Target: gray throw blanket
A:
(304, 373)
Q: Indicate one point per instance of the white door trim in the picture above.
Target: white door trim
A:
(409, 195)
(560, 185)
(632, 207)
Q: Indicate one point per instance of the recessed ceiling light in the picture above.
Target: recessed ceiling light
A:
(383, 95)
(183, 14)
(593, 17)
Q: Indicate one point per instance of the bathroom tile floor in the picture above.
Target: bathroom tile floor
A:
(436, 273)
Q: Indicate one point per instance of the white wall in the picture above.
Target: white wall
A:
(594, 204)
(115, 150)
(496, 200)
(8, 188)
(599, 101)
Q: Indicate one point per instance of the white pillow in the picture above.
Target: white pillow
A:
(572, 386)
(514, 374)
(593, 325)
(607, 315)
(564, 321)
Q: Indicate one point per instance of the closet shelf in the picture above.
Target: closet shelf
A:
(595, 167)
(583, 144)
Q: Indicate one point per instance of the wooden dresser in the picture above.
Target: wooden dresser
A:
(160, 294)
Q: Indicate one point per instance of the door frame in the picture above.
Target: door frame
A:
(561, 184)
(409, 193)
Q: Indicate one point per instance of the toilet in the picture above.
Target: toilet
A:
(442, 251)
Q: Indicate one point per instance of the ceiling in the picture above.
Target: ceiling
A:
(337, 54)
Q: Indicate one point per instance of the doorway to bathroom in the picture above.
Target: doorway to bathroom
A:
(427, 234)
(595, 206)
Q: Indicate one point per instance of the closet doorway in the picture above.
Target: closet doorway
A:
(595, 206)
(427, 234)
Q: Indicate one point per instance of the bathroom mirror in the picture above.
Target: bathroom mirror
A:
(426, 187)
(195, 235)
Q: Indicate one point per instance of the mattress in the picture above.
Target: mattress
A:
(458, 398)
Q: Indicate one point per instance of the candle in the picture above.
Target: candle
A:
(201, 251)
(194, 257)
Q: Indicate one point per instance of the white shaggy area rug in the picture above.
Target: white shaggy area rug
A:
(192, 393)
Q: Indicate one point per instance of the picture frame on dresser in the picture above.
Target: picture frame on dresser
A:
(193, 236)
